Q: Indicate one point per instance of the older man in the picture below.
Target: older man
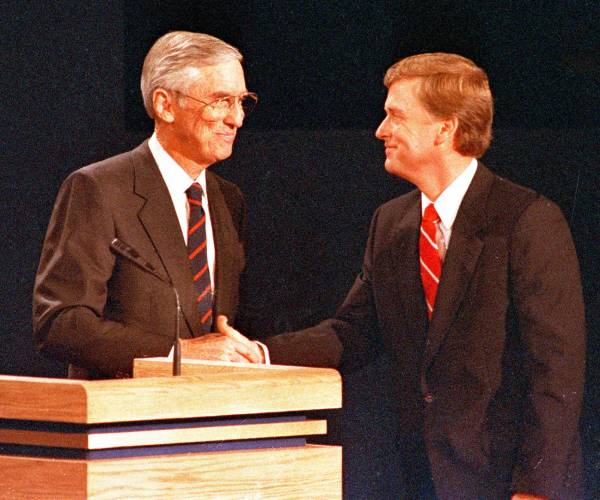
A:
(133, 235)
(471, 283)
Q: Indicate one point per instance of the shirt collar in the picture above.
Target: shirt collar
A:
(176, 179)
(448, 203)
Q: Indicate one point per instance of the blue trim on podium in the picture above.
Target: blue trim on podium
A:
(31, 425)
(142, 451)
(148, 451)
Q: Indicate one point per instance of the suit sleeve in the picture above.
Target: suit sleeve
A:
(347, 340)
(71, 287)
(548, 299)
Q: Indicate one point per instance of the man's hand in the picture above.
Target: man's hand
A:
(223, 327)
(227, 344)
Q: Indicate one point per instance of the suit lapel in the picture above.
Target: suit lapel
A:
(159, 219)
(405, 265)
(461, 259)
(223, 231)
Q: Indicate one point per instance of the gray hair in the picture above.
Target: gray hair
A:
(170, 61)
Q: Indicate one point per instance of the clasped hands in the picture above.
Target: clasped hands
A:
(226, 344)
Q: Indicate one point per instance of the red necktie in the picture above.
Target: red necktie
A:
(197, 256)
(429, 257)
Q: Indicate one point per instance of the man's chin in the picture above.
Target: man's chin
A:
(397, 170)
(223, 154)
(391, 167)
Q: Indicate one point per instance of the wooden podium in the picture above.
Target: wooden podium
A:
(219, 431)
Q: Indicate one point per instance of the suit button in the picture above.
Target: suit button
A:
(428, 398)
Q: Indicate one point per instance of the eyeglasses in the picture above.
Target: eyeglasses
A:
(221, 107)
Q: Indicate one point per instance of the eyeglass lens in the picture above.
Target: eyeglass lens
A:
(248, 102)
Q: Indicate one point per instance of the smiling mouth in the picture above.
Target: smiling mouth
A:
(229, 137)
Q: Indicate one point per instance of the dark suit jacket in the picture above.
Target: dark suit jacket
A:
(98, 310)
(494, 384)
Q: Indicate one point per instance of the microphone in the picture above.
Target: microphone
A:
(130, 253)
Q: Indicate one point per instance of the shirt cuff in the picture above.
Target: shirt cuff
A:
(265, 351)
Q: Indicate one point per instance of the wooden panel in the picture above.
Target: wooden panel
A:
(163, 367)
(221, 389)
(24, 478)
(286, 473)
(216, 390)
(32, 398)
(104, 440)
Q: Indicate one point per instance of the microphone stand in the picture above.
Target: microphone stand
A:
(177, 344)
(134, 256)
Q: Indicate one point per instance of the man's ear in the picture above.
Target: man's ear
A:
(162, 104)
(447, 130)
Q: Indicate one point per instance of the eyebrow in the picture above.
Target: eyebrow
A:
(219, 94)
(392, 110)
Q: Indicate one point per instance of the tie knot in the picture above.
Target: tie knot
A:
(195, 192)
(430, 214)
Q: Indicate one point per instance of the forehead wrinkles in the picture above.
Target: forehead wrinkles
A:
(224, 80)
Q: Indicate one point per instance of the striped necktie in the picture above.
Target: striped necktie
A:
(429, 257)
(198, 258)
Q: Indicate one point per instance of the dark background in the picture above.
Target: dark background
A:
(306, 159)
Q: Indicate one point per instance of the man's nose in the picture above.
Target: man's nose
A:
(382, 131)
(235, 115)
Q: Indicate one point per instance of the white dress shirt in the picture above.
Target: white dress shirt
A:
(448, 203)
(178, 182)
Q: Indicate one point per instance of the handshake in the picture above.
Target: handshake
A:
(226, 344)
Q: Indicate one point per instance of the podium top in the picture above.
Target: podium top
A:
(215, 389)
